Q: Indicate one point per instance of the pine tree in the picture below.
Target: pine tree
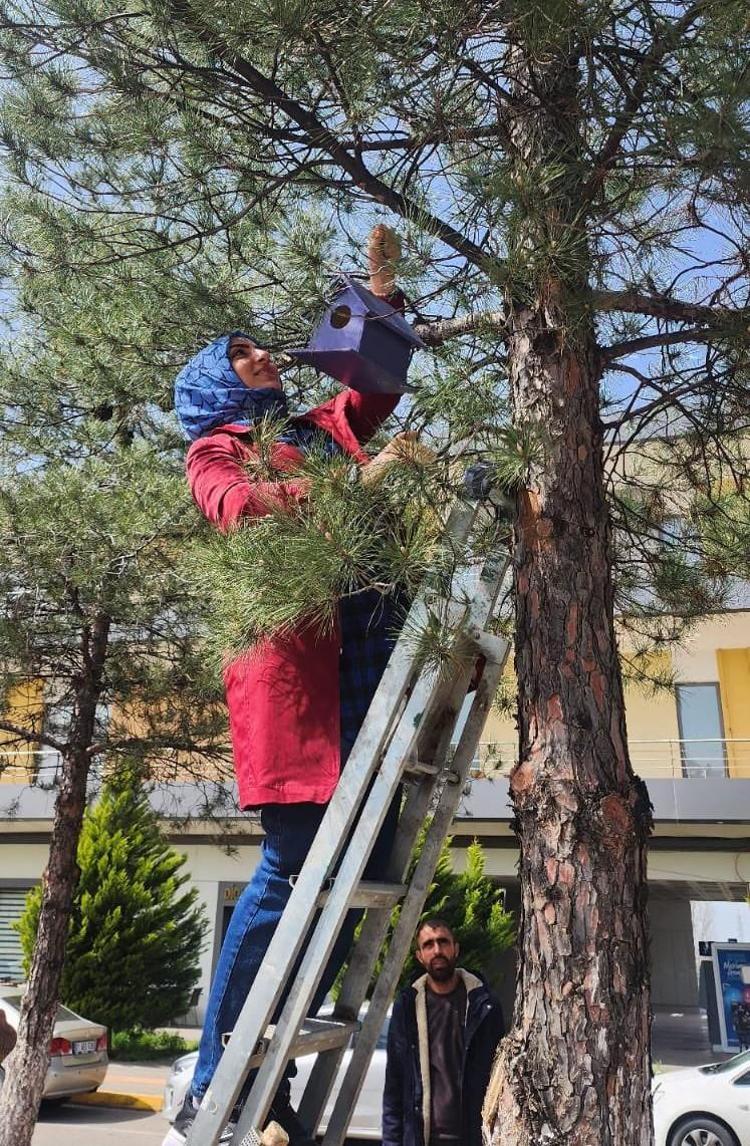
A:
(94, 516)
(135, 931)
(571, 184)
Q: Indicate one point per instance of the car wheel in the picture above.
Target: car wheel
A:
(56, 1100)
(700, 1130)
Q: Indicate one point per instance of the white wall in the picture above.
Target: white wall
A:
(22, 861)
(718, 922)
(210, 866)
(673, 946)
(695, 660)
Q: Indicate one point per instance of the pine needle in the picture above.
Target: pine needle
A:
(289, 569)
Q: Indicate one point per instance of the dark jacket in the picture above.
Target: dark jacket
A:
(406, 1098)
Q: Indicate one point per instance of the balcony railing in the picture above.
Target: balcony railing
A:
(654, 759)
(29, 766)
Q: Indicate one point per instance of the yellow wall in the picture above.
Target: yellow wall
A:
(500, 731)
(695, 659)
(164, 718)
(25, 707)
(734, 685)
(651, 716)
(717, 649)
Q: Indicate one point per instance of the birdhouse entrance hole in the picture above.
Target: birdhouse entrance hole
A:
(341, 316)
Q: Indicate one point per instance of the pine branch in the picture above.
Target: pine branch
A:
(321, 137)
(630, 302)
(30, 736)
(624, 119)
(668, 308)
(410, 143)
(670, 338)
(436, 333)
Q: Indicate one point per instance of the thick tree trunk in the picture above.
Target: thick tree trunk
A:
(27, 1066)
(575, 1068)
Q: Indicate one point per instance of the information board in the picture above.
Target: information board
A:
(732, 985)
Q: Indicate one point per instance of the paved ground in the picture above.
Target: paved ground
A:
(132, 1078)
(679, 1039)
(95, 1126)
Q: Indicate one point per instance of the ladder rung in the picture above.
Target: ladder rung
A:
(315, 1035)
(370, 893)
(421, 768)
(322, 1035)
(373, 894)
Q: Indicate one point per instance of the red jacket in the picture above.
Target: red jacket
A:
(283, 697)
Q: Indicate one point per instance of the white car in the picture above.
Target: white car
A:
(366, 1121)
(704, 1105)
(77, 1052)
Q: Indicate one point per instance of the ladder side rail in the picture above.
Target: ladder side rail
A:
(363, 958)
(417, 713)
(428, 696)
(289, 936)
(330, 838)
(436, 744)
(436, 741)
(412, 906)
(352, 864)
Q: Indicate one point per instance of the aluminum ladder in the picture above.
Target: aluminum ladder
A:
(405, 737)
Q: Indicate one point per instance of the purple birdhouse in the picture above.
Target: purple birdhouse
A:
(363, 342)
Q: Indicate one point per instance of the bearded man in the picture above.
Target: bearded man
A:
(442, 1040)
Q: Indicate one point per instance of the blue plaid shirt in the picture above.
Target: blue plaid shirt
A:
(369, 622)
(369, 629)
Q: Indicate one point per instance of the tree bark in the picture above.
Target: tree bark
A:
(27, 1066)
(574, 1069)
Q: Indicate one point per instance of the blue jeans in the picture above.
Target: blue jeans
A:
(289, 832)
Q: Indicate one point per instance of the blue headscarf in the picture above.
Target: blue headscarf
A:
(208, 393)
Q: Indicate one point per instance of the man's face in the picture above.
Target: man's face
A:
(252, 365)
(437, 951)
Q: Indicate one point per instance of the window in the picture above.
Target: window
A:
(12, 904)
(57, 718)
(701, 730)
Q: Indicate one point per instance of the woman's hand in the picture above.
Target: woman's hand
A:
(383, 252)
(404, 448)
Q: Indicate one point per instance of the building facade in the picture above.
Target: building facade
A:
(689, 739)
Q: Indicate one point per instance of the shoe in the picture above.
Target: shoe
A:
(180, 1128)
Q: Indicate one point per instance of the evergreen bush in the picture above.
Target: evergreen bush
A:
(136, 931)
(148, 1046)
(473, 907)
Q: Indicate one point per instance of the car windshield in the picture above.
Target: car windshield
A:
(13, 999)
(731, 1064)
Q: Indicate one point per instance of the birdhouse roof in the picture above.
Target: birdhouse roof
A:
(379, 308)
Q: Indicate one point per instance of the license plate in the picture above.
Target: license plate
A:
(87, 1047)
